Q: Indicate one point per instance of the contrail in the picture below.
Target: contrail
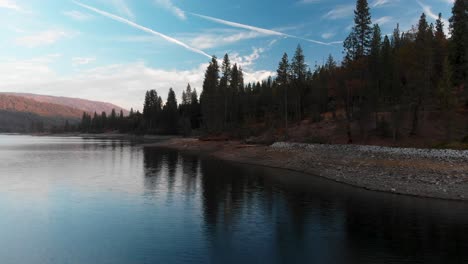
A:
(145, 29)
(260, 30)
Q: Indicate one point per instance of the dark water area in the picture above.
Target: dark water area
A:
(75, 200)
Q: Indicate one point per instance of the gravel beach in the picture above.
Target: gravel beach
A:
(428, 173)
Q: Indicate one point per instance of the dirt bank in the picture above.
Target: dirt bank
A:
(439, 174)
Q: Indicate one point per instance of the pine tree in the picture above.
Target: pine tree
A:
(225, 89)
(459, 42)
(209, 97)
(421, 86)
(195, 110)
(331, 63)
(96, 123)
(113, 119)
(440, 50)
(357, 44)
(396, 37)
(104, 121)
(447, 99)
(146, 106)
(170, 113)
(188, 92)
(299, 73)
(234, 100)
(385, 69)
(283, 78)
(298, 65)
(375, 48)
(374, 90)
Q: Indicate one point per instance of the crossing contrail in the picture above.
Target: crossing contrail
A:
(261, 30)
(142, 28)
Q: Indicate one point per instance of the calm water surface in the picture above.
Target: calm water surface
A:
(74, 200)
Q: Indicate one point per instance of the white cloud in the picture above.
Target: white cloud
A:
(42, 38)
(78, 61)
(77, 15)
(171, 7)
(121, 84)
(142, 28)
(340, 12)
(328, 35)
(10, 4)
(247, 62)
(30, 71)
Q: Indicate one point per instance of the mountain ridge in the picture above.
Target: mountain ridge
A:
(84, 105)
(21, 112)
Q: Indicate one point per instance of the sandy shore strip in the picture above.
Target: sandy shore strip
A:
(441, 174)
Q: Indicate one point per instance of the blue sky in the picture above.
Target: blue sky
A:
(115, 50)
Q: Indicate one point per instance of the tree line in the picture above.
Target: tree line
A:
(381, 81)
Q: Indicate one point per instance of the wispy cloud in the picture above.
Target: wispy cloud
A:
(239, 25)
(219, 38)
(122, 7)
(77, 15)
(171, 7)
(378, 3)
(339, 12)
(207, 39)
(10, 4)
(383, 20)
(78, 61)
(428, 11)
(309, 1)
(257, 29)
(328, 35)
(42, 38)
(142, 28)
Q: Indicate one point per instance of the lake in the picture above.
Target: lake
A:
(75, 200)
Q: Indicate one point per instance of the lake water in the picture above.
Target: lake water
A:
(74, 200)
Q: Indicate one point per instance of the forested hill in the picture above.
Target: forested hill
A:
(21, 104)
(76, 103)
(36, 113)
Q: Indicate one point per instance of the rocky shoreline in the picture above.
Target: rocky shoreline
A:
(441, 174)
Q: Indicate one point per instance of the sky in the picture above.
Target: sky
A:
(115, 50)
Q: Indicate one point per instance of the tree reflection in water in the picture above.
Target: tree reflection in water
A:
(259, 214)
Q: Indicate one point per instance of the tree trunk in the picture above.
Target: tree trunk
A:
(415, 123)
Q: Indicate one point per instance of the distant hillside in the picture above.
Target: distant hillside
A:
(13, 103)
(80, 104)
(36, 113)
(24, 122)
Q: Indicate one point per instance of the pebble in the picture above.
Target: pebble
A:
(371, 151)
